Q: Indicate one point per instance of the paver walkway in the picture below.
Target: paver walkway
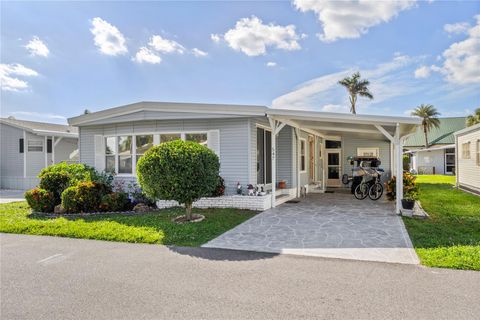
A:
(326, 225)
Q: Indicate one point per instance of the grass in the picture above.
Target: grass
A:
(451, 237)
(155, 227)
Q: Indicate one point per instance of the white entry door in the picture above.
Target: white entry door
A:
(334, 167)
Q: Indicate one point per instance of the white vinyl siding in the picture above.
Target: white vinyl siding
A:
(226, 137)
(468, 169)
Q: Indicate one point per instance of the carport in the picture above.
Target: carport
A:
(325, 125)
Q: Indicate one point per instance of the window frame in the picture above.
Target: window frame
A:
(303, 157)
(265, 152)
(466, 154)
(40, 144)
(478, 152)
(156, 141)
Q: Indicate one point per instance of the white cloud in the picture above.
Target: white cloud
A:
(199, 53)
(462, 59)
(146, 55)
(457, 28)
(336, 108)
(252, 37)
(165, 45)
(387, 80)
(215, 37)
(271, 64)
(108, 38)
(37, 47)
(422, 72)
(9, 74)
(352, 18)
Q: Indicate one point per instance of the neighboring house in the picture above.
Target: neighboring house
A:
(256, 145)
(467, 142)
(439, 158)
(28, 146)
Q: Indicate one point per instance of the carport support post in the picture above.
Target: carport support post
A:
(273, 126)
(399, 169)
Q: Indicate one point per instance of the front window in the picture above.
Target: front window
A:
(143, 143)
(200, 138)
(35, 146)
(125, 154)
(466, 150)
(169, 137)
(368, 152)
(478, 152)
(110, 152)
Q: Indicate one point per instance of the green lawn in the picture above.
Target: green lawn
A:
(145, 228)
(451, 238)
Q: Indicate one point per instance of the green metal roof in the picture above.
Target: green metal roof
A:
(436, 136)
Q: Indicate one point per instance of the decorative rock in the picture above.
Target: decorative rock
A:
(59, 209)
(142, 207)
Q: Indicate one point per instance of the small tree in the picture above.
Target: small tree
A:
(429, 116)
(356, 87)
(474, 118)
(179, 170)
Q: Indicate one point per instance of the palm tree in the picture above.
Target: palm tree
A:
(356, 86)
(429, 116)
(474, 118)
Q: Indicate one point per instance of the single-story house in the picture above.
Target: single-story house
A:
(467, 142)
(439, 157)
(28, 146)
(256, 145)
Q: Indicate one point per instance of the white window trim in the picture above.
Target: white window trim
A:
(305, 155)
(156, 141)
(445, 161)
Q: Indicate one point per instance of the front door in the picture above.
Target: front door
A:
(311, 149)
(334, 168)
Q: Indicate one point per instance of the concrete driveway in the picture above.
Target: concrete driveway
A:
(325, 225)
(59, 278)
(7, 196)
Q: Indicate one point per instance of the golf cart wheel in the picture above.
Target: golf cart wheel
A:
(361, 191)
(345, 179)
(375, 192)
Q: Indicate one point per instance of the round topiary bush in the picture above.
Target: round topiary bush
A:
(179, 170)
(55, 182)
(40, 200)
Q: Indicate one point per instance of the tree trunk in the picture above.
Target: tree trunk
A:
(353, 102)
(188, 211)
(426, 136)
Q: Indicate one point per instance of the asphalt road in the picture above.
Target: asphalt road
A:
(57, 278)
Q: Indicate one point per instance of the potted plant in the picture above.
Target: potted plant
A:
(410, 190)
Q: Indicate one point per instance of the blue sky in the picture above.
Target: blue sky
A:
(59, 58)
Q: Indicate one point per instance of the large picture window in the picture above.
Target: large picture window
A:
(125, 154)
(200, 138)
(142, 144)
(264, 156)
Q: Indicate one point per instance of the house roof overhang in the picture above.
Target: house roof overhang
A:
(41, 132)
(322, 123)
(198, 108)
(329, 123)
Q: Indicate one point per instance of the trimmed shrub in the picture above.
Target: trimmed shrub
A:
(69, 200)
(179, 170)
(220, 189)
(115, 201)
(84, 197)
(76, 172)
(55, 182)
(40, 200)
